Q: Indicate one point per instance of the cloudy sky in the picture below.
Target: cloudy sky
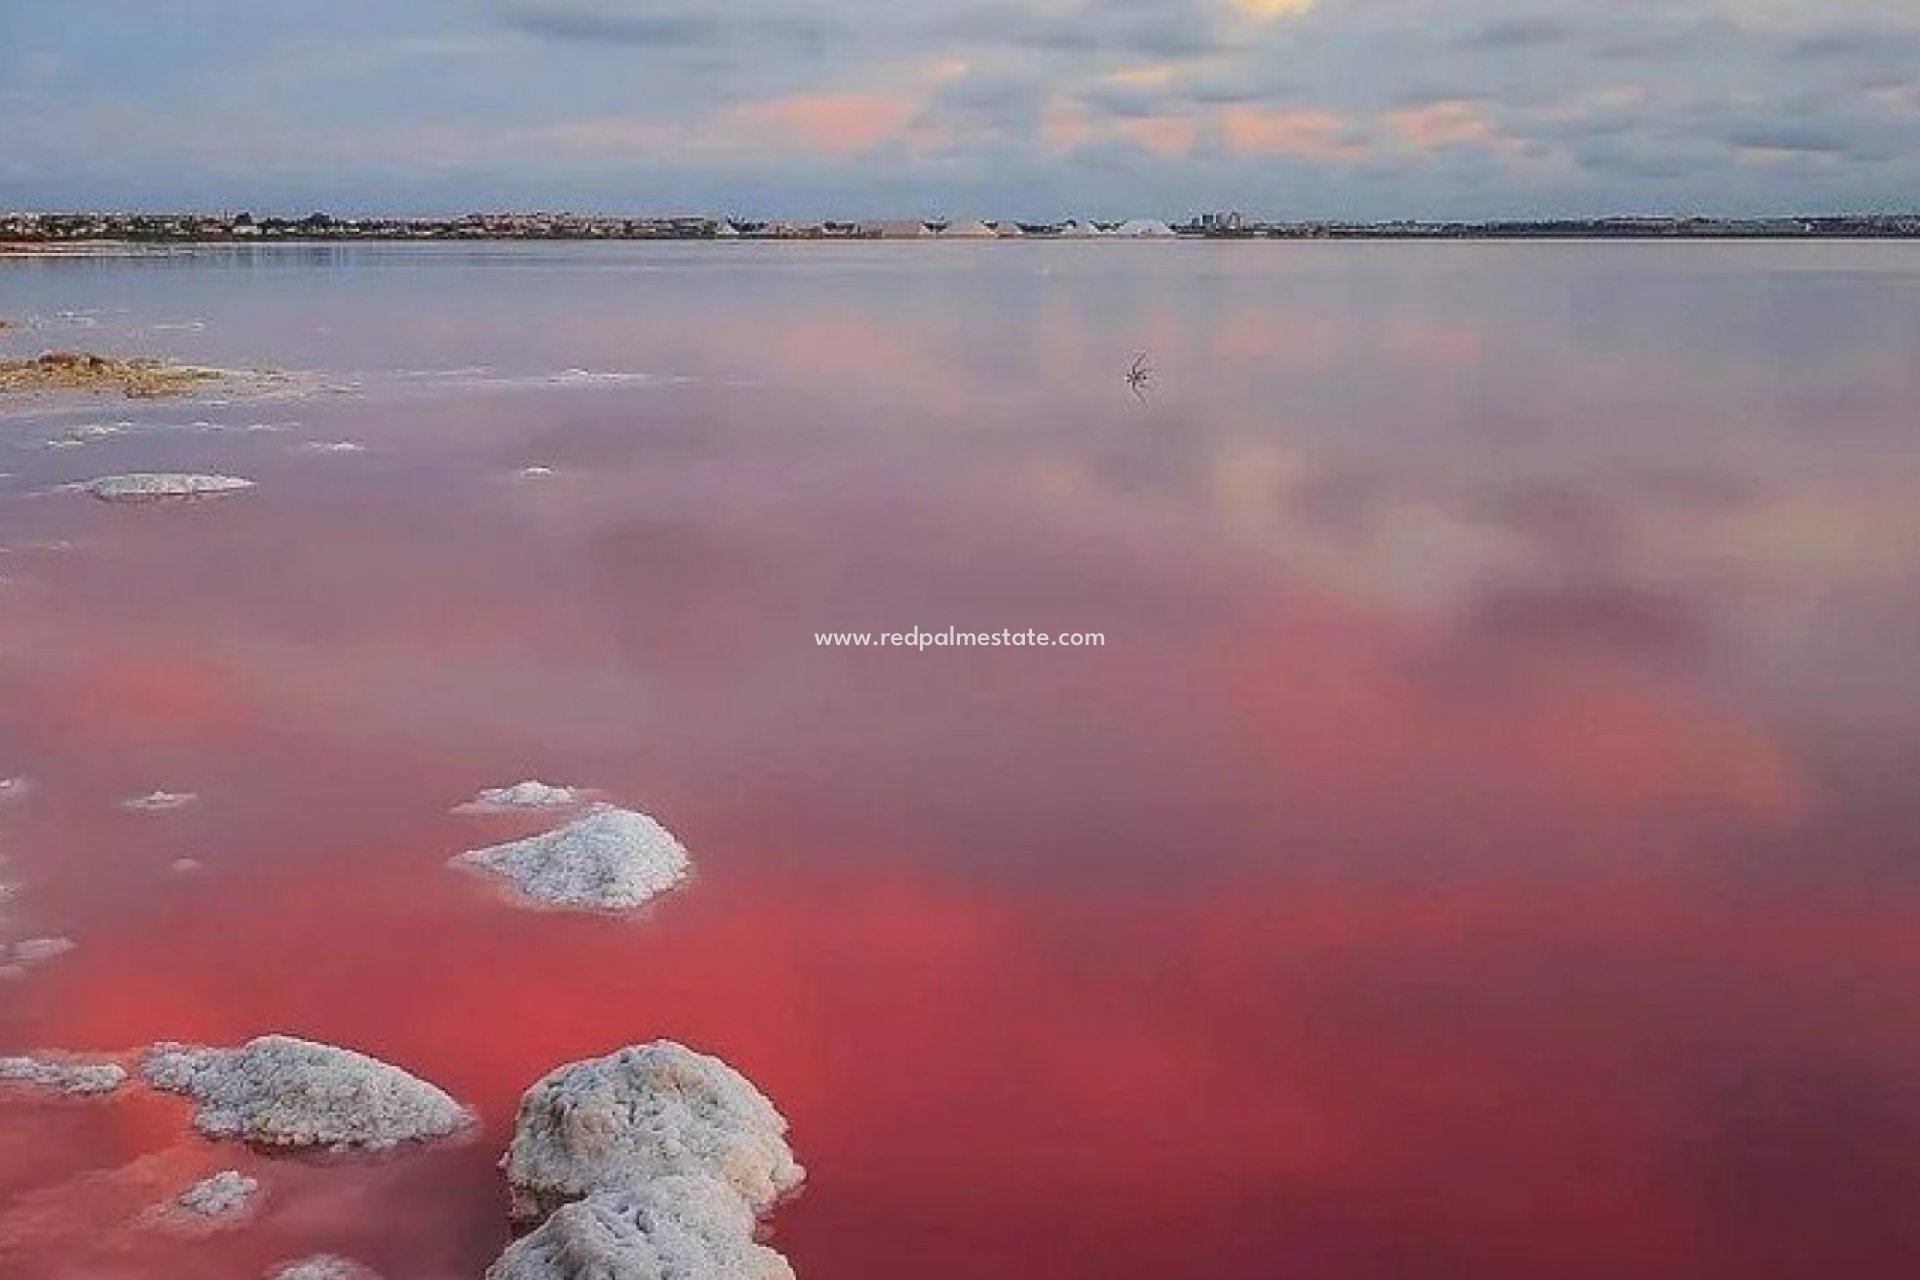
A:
(1029, 108)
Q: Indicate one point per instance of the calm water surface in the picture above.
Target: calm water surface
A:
(1486, 847)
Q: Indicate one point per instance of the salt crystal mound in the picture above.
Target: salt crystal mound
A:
(12, 789)
(221, 1196)
(523, 795)
(644, 1113)
(321, 1266)
(163, 486)
(59, 1075)
(673, 1229)
(610, 860)
(279, 1091)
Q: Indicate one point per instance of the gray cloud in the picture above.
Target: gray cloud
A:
(658, 25)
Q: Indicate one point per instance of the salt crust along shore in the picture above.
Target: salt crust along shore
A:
(609, 860)
(162, 486)
(653, 1162)
(278, 1091)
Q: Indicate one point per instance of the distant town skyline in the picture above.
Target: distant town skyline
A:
(1033, 109)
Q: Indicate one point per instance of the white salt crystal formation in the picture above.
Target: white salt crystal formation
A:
(609, 860)
(523, 795)
(652, 1163)
(321, 1266)
(278, 1091)
(59, 1075)
(676, 1229)
(12, 789)
(161, 486)
(223, 1195)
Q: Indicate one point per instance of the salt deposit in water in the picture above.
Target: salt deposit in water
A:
(523, 795)
(333, 446)
(223, 1195)
(18, 957)
(678, 1227)
(160, 801)
(609, 860)
(644, 1113)
(71, 1078)
(652, 1163)
(321, 1266)
(163, 486)
(279, 1091)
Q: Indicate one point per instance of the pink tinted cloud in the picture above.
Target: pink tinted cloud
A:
(1309, 133)
(841, 124)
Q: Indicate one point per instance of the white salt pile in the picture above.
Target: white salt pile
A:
(160, 801)
(679, 1227)
(224, 1195)
(654, 1161)
(188, 866)
(610, 860)
(12, 789)
(321, 1266)
(60, 1075)
(281, 1092)
(333, 446)
(641, 1114)
(523, 795)
(161, 486)
(535, 473)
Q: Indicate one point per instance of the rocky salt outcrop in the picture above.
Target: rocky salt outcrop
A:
(279, 1091)
(652, 1163)
(70, 1078)
(221, 1196)
(163, 486)
(640, 1115)
(675, 1229)
(87, 371)
(531, 794)
(609, 860)
(322, 1266)
(212, 1205)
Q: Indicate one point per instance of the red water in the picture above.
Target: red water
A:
(1485, 846)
